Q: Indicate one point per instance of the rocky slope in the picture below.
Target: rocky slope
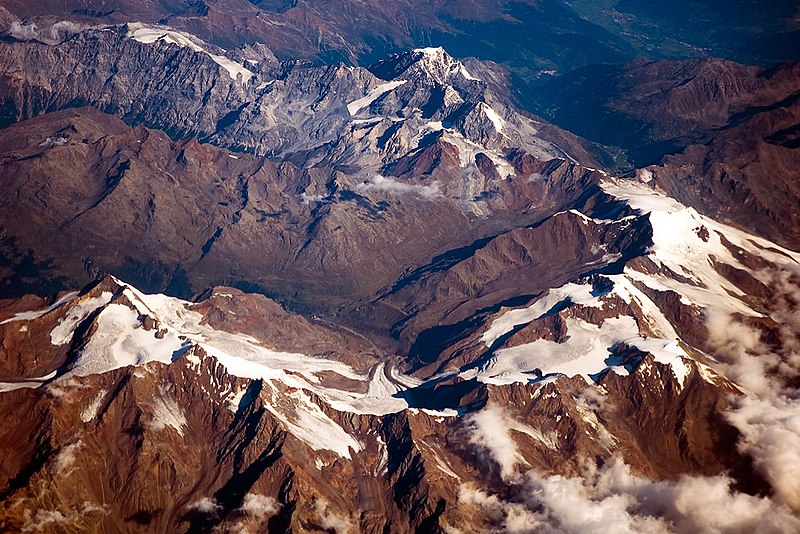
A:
(198, 211)
(474, 327)
(350, 157)
(254, 418)
(249, 103)
(715, 134)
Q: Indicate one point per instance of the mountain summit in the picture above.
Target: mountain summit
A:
(289, 267)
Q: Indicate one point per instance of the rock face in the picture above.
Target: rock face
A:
(305, 114)
(245, 295)
(666, 104)
(148, 412)
(719, 135)
(352, 157)
(120, 184)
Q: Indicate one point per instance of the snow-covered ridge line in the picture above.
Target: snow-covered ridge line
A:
(149, 34)
(32, 383)
(120, 339)
(648, 200)
(684, 242)
(588, 347)
(690, 244)
(578, 294)
(493, 116)
(35, 314)
(436, 55)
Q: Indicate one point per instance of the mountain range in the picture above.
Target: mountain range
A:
(399, 267)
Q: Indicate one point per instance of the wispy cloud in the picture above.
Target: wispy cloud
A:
(53, 34)
(391, 186)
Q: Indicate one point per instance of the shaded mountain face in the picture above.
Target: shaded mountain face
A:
(666, 105)
(244, 294)
(533, 39)
(148, 413)
(351, 157)
(750, 31)
(715, 134)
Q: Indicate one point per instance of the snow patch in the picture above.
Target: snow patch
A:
(435, 58)
(380, 398)
(65, 329)
(148, 34)
(357, 105)
(493, 116)
(120, 340)
(167, 413)
(586, 352)
(91, 409)
(465, 73)
(689, 244)
(569, 293)
(28, 383)
(31, 315)
(312, 426)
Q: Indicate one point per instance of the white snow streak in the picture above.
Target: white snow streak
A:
(357, 105)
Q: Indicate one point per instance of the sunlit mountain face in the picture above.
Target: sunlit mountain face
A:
(399, 267)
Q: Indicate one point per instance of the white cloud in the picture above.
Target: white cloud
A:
(66, 458)
(259, 506)
(310, 199)
(205, 505)
(52, 35)
(503, 516)
(256, 509)
(391, 186)
(771, 436)
(329, 519)
(613, 499)
(768, 417)
(740, 352)
(536, 177)
(48, 520)
(490, 429)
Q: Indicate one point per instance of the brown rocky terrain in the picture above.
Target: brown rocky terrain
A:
(198, 212)
(254, 418)
(748, 169)
(718, 135)
(244, 294)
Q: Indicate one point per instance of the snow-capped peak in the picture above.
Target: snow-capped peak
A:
(437, 63)
(149, 34)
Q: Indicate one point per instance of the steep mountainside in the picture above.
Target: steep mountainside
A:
(175, 82)
(246, 426)
(719, 136)
(533, 38)
(248, 287)
(352, 157)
